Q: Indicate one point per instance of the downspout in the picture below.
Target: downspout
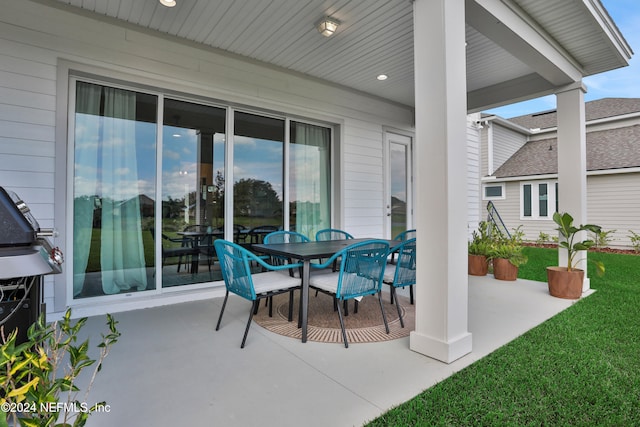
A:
(489, 147)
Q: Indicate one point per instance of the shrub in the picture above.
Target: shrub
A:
(635, 240)
(34, 374)
(481, 241)
(603, 238)
(543, 238)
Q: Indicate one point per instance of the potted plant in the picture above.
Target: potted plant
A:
(507, 257)
(566, 282)
(478, 249)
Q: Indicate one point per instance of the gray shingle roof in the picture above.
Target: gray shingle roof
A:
(598, 109)
(606, 149)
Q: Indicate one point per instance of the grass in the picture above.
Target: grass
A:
(581, 367)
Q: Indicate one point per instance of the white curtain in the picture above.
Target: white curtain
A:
(87, 137)
(310, 176)
(121, 248)
(106, 161)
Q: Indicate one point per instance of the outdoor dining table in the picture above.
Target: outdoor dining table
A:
(306, 252)
(197, 236)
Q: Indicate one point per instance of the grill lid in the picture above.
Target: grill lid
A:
(18, 227)
(24, 251)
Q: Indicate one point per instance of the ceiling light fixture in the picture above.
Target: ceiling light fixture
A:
(382, 77)
(168, 3)
(327, 26)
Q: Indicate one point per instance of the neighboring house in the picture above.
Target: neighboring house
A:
(520, 168)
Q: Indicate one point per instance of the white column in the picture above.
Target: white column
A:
(441, 201)
(572, 163)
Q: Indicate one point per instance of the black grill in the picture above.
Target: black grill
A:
(26, 255)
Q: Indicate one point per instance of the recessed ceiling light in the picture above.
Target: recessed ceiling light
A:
(168, 3)
(382, 77)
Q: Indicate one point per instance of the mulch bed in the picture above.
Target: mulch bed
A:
(606, 249)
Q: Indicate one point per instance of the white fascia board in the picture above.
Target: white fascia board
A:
(507, 25)
(493, 179)
(609, 27)
(506, 123)
(613, 171)
(604, 120)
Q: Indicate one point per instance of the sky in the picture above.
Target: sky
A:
(620, 83)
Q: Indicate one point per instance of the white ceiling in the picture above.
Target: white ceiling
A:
(376, 36)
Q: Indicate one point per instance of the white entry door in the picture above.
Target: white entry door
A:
(399, 195)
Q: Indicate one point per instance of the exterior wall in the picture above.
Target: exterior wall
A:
(505, 143)
(509, 210)
(474, 173)
(363, 169)
(613, 202)
(39, 44)
(485, 135)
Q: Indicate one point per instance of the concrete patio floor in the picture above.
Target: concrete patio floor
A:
(171, 368)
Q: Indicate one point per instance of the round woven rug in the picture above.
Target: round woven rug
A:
(324, 325)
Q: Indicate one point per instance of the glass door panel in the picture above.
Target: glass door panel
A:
(399, 202)
(113, 190)
(258, 158)
(309, 178)
(193, 138)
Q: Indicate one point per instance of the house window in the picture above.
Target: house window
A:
(493, 191)
(543, 200)
(538, 200)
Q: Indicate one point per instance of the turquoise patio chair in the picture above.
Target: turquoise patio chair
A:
(235, 263)
(401, 237)
(403, 273)
(332, 234)
(360, 274)
(283, 236)
(406, 235)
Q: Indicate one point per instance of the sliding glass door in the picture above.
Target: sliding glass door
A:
(132, 148)
(113, 190)
(193, 144)
(258, 162)
(309, 178)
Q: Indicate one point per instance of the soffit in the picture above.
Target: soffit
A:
(376, 36)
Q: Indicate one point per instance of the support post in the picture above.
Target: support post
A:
(572, 164)
(441, 109)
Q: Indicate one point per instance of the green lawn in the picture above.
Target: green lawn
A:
(581, 367)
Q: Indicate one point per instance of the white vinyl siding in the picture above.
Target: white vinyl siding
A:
(613, 202)
(485, 136)
(505, 143)
(363, 180)
(35, 54)
(474, 197)
(510, 207)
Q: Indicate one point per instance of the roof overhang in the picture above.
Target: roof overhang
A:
(516, 49)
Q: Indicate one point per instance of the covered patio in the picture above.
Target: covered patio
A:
(445, 59)
(171, 367)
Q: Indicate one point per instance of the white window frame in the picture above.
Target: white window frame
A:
(68, 82)
(493, 184)
(535, 197)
